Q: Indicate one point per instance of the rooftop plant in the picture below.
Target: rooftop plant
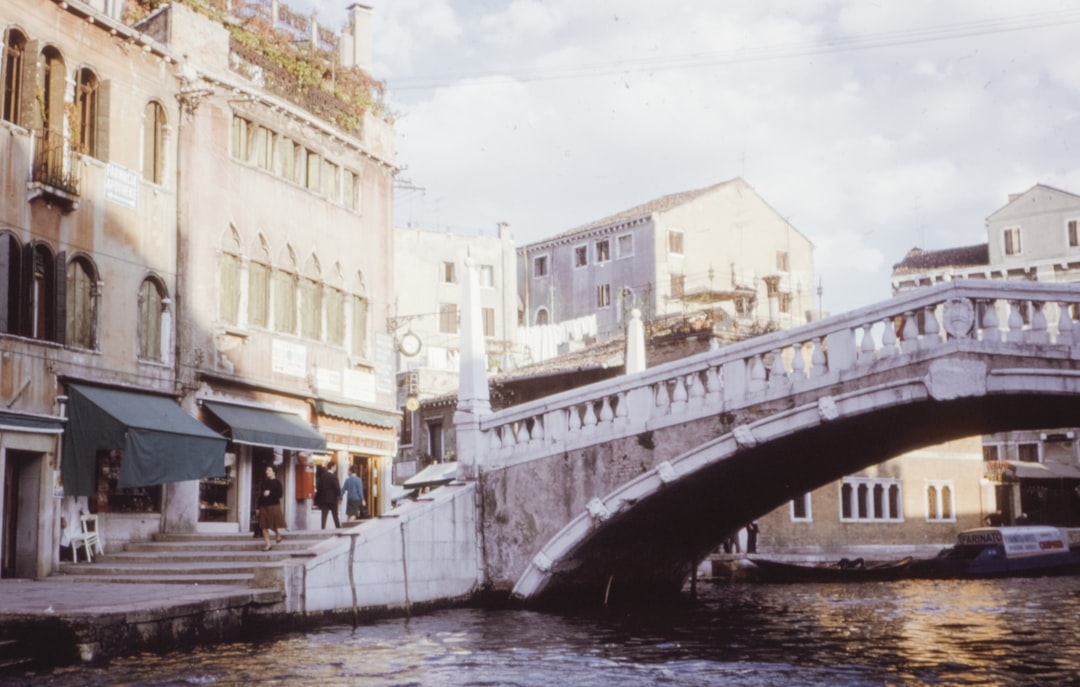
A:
(298, 70)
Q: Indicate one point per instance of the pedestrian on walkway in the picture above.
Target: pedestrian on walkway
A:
(269, 507)
(328, 492)
(354, 495)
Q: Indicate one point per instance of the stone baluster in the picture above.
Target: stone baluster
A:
(910, 333)
(589, 421)
(1065, 324)
(1039, 332)
(573, 419)
(696, 390)
(606, 413)
(778, 376)
(818, 363)
(679, 395)
(888, 338)
(495, 439)
(521, 437)
(931, 327)
(1016, 323)
(537, 431)
(663, 399)
(867, 348)
(757, 374)
(622, 409)
(798, 363)
(990, 328)
(712, 385)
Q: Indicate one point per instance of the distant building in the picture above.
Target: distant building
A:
(1033, 237)
(721, 250)
(425, 323)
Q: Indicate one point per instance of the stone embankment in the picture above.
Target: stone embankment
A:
(185, 589)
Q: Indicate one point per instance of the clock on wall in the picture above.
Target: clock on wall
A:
(409, 345)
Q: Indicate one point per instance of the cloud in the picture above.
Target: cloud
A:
(872, 127)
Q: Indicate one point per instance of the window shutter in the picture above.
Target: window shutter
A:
(26, 287)
(59, 324)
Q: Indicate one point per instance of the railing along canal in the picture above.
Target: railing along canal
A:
(1012, 316)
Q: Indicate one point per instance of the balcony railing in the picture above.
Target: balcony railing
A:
(55, 169)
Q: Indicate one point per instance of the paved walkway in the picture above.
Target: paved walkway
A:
(59, 597)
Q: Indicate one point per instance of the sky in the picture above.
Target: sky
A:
(871, 126)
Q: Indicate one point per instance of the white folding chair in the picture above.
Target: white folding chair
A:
(90, 539)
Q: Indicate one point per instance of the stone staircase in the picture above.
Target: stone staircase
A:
(206, 559)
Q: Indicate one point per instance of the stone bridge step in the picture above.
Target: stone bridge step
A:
(144, 577)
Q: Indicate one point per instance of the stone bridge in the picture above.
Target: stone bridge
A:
(625, 485)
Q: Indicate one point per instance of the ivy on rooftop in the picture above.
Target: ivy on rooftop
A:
(287, 64)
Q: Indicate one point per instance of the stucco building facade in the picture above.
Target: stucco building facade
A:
(143, 175)
(1034, 236)
(720, 249)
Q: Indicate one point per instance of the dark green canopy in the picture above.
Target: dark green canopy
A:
(161, 443)
(260, 427)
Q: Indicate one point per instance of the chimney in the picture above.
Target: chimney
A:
(356, 41)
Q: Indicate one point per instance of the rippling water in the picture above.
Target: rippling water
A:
(1004, 632)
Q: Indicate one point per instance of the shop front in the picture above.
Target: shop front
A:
(259, 437)
(120, 447)
(364, 439)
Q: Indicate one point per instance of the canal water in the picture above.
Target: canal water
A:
(1023, 631)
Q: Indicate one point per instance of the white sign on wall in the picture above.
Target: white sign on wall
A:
(288, 358)
(360, 385)
(121, 185)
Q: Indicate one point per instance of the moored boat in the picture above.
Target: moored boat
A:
(1002, 552)
(844, 570)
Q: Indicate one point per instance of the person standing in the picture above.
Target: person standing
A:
(354, 494)
(328, 493)
(752, 530)
(269, 507)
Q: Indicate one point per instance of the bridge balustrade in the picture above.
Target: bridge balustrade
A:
(1007, 315)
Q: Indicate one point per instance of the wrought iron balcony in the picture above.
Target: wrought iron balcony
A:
(55, 172)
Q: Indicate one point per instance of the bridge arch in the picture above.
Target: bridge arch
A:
(729, 435)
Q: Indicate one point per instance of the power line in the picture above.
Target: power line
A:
(871, 41)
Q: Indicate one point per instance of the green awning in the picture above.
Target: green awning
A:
(357, 414)
(161, 443)
(260, 427)
(20, 422)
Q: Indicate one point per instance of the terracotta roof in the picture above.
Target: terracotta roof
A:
(919, 260)
(643, 211)
(607, 353)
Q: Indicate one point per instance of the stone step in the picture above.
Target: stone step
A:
(103, 566)
(196, 545)
(302, 535)
(147, 577)
(279, 552)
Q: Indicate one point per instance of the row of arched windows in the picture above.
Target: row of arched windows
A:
(47, 297)
(256, 291)
(34, 93)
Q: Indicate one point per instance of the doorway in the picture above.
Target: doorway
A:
(22, 501)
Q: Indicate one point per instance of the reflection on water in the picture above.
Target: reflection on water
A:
(1017, 631)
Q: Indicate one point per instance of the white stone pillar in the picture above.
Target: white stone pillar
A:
(474, 400)
(635, 343)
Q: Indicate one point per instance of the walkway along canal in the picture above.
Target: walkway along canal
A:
(182, 590)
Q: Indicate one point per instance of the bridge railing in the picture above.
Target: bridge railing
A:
(1021, 316)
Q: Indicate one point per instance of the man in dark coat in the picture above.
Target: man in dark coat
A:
(328, 493)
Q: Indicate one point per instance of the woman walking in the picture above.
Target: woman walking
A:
(269, 507)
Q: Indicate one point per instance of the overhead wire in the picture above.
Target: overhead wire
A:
(942, 32)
